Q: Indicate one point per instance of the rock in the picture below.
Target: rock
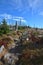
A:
(10, 58)
(1, 49)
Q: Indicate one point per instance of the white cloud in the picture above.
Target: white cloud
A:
(16, 4)
(23, 5)
(41, 13)
(6, 16)
(23, 20)
(35, 5)
(16, 18)
(19, 19)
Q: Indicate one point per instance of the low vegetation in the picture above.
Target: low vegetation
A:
(29, 45)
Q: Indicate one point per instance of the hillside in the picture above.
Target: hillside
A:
(26, 45)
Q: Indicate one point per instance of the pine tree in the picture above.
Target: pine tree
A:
(4, 28)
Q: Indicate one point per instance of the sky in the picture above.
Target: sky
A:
(29, 12)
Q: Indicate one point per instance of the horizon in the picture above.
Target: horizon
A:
(30, 12)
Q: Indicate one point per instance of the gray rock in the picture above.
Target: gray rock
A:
(10, 58)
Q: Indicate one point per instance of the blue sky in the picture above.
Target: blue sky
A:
(30, 12)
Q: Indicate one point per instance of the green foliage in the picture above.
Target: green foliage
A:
(36, 33)
(21, 27)
(4, 28)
